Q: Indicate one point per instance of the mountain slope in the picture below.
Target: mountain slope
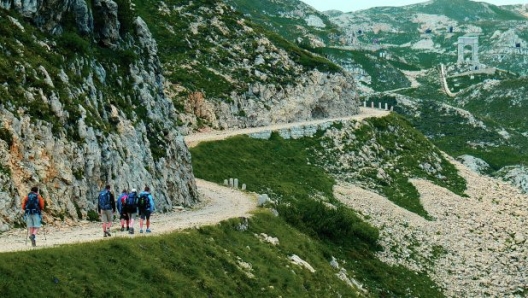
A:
(225, 71)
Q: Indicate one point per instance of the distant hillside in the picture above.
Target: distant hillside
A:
(292, 19)
(224, 70)
(426, 34)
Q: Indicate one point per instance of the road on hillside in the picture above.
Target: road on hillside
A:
(195, 139)
(218, 203)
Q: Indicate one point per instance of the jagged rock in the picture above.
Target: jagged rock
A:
(476, 164)
(319, 95)
(198, 106)
(83, 17)
(105, 14)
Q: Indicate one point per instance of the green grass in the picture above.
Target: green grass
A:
(457, 84)
(280, 166)
(197, 263)
(204, 262)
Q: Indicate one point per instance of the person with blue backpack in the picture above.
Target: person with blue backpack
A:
(130, 207)
(32, 205)
(145, 208)
(123, 215)
(106, 207)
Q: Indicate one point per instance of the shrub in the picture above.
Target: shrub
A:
(74, 43)
(7, 136)
(93, 215)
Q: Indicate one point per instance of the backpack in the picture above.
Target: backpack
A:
(104, 200)
(143, 201)
(122, 202)
(32, 204)
(130, 202)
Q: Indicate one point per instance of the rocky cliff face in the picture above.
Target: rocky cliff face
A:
(224, 71)
(317, 95)
(97, 121)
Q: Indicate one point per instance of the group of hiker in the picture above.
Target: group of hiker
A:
(129, 205)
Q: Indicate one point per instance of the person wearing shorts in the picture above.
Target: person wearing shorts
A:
(32, 205)
(145, 211)
(106, 207)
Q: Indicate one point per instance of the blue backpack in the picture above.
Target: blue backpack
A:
(32, 204)
(104, 200)
(130, 203)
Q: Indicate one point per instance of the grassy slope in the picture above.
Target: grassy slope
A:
(270, 14)
(395, 152)
(206, 262)
(291, 170)
(198, 263)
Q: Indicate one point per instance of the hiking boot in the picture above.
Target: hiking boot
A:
(33, 240)
(107, 232)
(141, 231)
(148, 231)
(122, 229)
(104, 234)
(131, 231)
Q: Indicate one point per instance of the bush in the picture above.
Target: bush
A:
(74, 43)
(93, 215)
(340, 226)
(7, 136)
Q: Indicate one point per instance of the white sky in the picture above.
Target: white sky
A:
(353, 5)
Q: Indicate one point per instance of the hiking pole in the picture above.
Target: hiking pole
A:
(27, 235)
(27, 230)
(43, 229)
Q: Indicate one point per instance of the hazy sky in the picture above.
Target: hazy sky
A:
(353, 5)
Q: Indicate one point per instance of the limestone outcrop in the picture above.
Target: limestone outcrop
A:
(92, 121)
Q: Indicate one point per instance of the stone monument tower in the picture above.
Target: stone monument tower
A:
(471, 41)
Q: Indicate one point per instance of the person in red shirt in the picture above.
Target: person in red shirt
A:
(32, 205)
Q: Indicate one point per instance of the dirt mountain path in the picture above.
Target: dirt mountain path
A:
(195, 139)
(218, 203)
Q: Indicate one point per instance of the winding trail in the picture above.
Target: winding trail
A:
(218, 203)
(195, 139)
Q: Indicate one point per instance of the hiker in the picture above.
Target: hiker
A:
(145, 208)
(106, 207)
(131, 209)
(121, 204)
(32, 205)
